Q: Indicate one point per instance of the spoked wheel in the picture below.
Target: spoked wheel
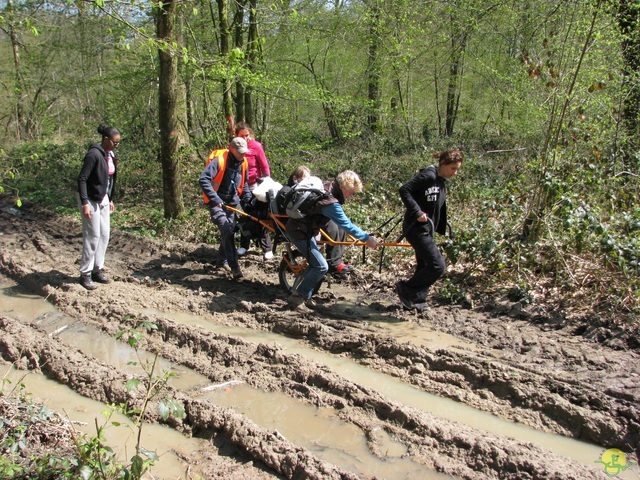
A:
(292, 265)
(291, 271)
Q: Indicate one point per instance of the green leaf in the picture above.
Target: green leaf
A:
(85, 472)
(163, 410)
(137, 466)
(236, 54)
(170, 407)
(151, 455)
(132, 384)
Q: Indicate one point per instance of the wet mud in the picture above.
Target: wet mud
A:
(553, 380)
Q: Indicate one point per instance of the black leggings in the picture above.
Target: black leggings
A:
(430, 266)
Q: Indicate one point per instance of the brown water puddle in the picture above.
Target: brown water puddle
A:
(318, 430)
(322, 433)
(171, 446)
(353, 305)
(401, 392)
(248, 400)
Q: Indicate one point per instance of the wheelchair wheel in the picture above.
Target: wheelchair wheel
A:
(291, 271)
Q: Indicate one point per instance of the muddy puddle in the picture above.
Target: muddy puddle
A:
(322, 433)
(170, 446)
(319, 430)
(402, 392)
(350, 303)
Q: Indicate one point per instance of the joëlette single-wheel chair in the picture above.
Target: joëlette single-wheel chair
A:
(294, 264)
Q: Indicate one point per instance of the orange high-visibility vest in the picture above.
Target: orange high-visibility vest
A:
(221, 154)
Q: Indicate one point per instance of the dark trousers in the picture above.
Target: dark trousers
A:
(225, 220)
(334, 254)
(430, 266)
(264, 240)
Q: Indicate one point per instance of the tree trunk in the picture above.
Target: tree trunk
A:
(253, 57)
(238, 20)
(373, 69)
(21, 124)
(168, 100)
(629, 23)
(225, 37)
(455, 83)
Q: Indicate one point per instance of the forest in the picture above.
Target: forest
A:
(542, 97)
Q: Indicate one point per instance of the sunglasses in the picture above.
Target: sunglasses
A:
(115, 144)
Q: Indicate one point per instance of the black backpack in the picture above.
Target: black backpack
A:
(280, 200)
(300, 200)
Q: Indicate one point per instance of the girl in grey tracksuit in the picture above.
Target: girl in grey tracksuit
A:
(96, 183)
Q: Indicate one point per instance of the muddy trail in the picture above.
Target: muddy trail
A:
(373, 368)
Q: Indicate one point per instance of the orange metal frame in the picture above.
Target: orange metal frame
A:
(281, 220)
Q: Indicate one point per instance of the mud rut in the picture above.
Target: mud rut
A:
(539, 375)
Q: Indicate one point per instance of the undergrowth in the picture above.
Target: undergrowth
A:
(585, 260)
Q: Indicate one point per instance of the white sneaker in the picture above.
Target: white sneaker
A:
(268, 255)
(241, 251)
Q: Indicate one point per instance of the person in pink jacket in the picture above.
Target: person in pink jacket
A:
(258, 168)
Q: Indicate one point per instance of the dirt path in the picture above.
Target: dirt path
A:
(543, 376)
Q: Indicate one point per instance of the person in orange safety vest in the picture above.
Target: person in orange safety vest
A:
(224, 182)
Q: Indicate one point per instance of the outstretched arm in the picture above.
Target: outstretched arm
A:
(336, 213)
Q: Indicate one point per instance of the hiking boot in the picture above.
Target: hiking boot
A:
(224, 266)
(86, 282)
(406, 303)
(342, 270)
(242, 251)
(421, 307)
(236, 273)
(298, 303)
(100, 277)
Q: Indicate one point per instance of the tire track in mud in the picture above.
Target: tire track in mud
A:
(100, 382)
(43, 257)
(561, 407)
(450, 448)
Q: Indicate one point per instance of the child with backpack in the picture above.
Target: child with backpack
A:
(306, 217)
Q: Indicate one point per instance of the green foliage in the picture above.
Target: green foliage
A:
(154, 387)
(93, 458)
(42, 173)
(452, 293)
(540, 123)
(10, 469)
